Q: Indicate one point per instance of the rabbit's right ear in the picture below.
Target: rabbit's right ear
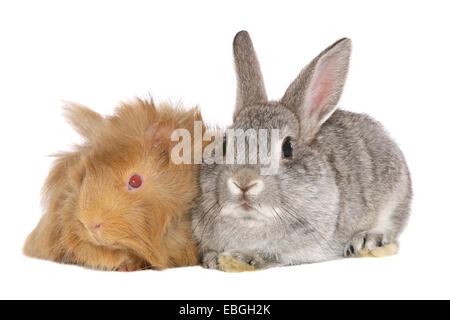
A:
(314, 95)
(86, 122)
(250, 83)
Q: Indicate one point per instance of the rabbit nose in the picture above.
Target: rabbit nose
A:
(253, 187)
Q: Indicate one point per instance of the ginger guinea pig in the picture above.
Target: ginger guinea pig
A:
(118, 202)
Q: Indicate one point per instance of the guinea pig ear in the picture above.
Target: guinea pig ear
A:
(159, 134)
(250, 83)
(314, 95)
(86, 122)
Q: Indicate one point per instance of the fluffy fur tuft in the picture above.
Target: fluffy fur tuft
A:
(93, 219)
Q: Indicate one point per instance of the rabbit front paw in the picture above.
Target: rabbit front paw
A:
(239, 261)
(364, 243)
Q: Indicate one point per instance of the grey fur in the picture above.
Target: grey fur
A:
(346, 187)
(250, 83)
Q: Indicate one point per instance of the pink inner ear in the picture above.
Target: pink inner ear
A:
(324, 85)
(158, 133)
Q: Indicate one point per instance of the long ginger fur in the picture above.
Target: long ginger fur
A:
(144, 228)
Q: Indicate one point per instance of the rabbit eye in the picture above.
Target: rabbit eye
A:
(224, 145)
(287, 148)
(134, 182)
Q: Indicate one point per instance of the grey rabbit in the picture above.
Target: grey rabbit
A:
(343, 185)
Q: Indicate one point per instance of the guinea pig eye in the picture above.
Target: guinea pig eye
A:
(287, 148)
(134, 182)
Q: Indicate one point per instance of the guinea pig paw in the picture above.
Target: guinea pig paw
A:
(238, 261)
(126, 268)
(129, 267)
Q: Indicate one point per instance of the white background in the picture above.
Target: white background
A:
(101, 52)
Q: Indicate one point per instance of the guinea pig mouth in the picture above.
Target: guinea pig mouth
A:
(95, 238)
(99, 241)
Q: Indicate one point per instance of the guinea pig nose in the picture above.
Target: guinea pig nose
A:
(98, 227)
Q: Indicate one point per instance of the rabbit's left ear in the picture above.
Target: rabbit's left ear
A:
(250, 83)
(314, 95)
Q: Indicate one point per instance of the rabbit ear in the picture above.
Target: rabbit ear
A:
(250, 83)
(85, 121)
(314, 95)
